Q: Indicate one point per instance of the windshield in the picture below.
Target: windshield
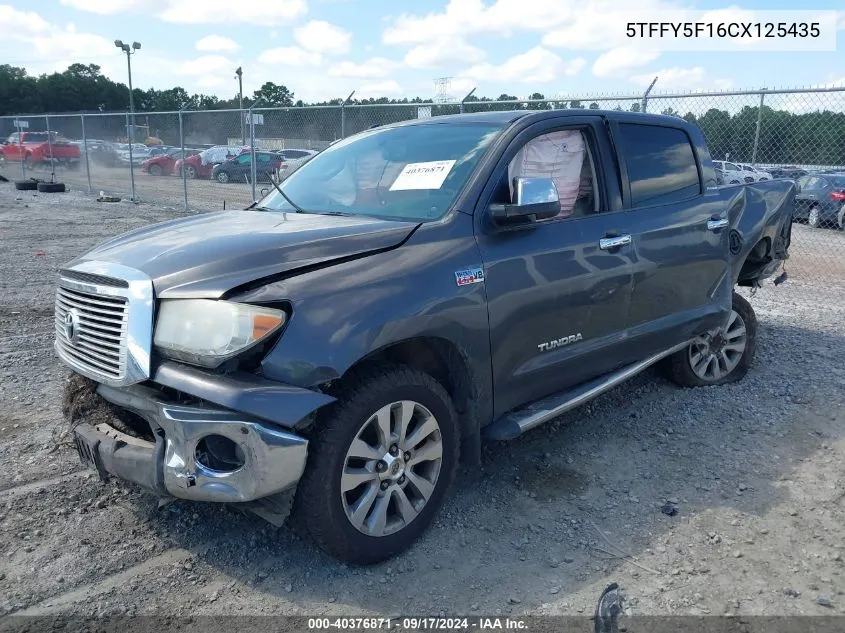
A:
(411, 172)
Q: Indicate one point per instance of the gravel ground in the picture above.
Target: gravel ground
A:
(203, 193)
(753, 471)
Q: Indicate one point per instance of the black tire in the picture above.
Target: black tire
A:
(222, 177)
(318, 505)
(26, 185)
(51, 187)
(678, 366)
(190, 172)
(155, 170)
(841, 218)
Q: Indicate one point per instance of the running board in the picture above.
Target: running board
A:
(513, 424)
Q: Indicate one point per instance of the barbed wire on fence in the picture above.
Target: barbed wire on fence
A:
(801, 127)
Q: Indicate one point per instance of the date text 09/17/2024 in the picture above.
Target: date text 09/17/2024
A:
(418, 624)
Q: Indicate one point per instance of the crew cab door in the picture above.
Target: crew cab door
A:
(682, 282)
(558, 296)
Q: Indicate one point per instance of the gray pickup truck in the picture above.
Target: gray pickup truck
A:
(405, 294)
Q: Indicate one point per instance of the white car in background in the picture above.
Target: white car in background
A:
(757, 174)
(294, 159)
(738, 173)
(731, 172)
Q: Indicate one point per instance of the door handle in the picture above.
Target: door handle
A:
(608, 243)
(716, 223)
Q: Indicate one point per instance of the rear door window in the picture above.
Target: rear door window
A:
(661, 164)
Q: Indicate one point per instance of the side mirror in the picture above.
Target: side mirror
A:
(534, 199)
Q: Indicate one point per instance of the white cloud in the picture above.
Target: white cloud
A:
(677, 78)
(201, 11)
(29, 33)
(216, 44)
(322, 37)
(466, 17)
(443, 51)
(620, 61)
(290, 56)
(379, 89)
(373, 68)
(537, 65)
(105, 7)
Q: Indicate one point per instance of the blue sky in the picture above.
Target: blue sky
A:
(323, 49)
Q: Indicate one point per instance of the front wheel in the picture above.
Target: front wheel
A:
(155, 170)
(721, 356)
(222, 177)
(379, 464)
(190, 171)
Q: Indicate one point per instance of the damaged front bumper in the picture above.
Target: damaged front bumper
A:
(262, 459)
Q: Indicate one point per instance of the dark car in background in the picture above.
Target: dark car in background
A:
(239, 169)
(820, 200)
(164, 164)
(792, 173)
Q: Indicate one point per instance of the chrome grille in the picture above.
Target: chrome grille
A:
(104, 321)
(98, 340)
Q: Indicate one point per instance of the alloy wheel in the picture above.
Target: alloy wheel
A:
(715, 355)
(391, 468)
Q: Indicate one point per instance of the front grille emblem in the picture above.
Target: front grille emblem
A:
(71, 325)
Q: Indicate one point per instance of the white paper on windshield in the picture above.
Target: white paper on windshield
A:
(428, 175)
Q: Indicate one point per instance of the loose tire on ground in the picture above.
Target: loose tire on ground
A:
(26, 185)
(682, 366)
(327, 498)
(51, 187)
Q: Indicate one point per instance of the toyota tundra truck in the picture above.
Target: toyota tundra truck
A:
(411, 291)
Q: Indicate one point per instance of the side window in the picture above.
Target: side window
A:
(243, 159)
(661, 164)
(565, 157)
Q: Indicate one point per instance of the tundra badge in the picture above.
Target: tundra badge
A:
(566, 340)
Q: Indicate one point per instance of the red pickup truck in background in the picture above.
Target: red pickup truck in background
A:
(40, 147)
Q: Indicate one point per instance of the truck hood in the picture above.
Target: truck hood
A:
(207, 255)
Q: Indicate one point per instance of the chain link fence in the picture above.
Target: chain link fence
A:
(760, 134)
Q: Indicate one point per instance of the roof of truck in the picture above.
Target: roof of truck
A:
(507, 116)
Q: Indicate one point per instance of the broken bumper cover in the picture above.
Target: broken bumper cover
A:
(273, 458)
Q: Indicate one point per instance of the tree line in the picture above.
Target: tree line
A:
(785, 137)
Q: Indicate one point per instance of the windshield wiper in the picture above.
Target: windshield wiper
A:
(285, 196)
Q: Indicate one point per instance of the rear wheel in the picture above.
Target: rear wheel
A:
(379, 465)
(720, 356)
(190, 171)
(222, 177)
(841, 218)
(814, 219)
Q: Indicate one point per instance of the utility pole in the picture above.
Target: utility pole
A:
(136, 46)
(239, 73)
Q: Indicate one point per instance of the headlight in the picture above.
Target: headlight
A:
(207, 332)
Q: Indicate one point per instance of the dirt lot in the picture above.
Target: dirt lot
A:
(754, 470)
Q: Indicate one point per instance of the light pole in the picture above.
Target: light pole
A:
(239, 73)
(130, 50)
